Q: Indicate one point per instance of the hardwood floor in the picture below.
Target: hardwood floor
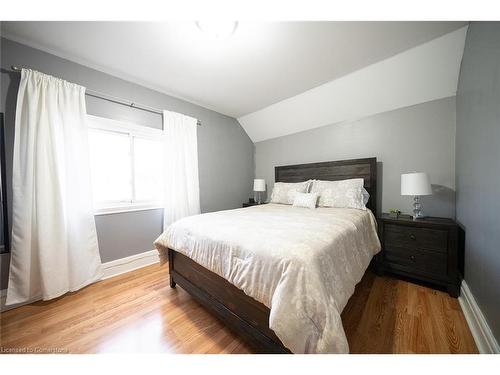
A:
(138, 312)
(387, 315)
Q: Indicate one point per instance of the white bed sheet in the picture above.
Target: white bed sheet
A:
(301, 263)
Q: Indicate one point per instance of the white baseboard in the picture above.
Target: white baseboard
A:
(133, 262)
(485, 341)
(110, 269)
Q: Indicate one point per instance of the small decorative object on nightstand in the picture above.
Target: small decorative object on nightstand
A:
(259, 185)
(416, 184)
(429, 249)
(394, 213)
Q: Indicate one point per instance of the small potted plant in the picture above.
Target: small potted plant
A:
(394, 213)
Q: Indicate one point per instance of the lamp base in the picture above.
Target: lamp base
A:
(258, 197)
(417, 208)
(418, 217)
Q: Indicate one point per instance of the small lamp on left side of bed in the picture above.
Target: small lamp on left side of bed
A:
(259, 185)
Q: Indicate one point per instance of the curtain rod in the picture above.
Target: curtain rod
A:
(114, 99)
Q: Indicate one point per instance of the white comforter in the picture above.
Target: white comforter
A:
(301, 263)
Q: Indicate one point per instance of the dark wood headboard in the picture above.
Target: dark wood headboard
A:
(334, 171)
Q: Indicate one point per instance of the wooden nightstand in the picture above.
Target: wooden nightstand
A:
(248, 204)
(429, 250)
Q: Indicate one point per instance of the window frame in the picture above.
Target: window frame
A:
(132, 131)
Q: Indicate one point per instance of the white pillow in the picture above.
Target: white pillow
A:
(307, 200)
(284, 192)
(341, 194)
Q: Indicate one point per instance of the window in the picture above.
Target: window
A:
(126, 163)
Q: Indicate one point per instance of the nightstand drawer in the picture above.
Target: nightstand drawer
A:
(419, 261)
(416, 238)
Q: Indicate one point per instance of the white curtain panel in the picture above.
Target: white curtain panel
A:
(182, 187)
(54, 241)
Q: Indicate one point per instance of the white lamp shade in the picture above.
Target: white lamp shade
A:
(259, 184)
(415, 184)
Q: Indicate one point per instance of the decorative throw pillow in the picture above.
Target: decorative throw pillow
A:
(284, 192)
(366, 197)
(341, 194)
(307, 200)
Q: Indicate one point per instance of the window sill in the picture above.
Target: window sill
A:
(124, 209)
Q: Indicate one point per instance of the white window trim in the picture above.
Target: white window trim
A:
(133, 130)
(124, 127)
(126, 208)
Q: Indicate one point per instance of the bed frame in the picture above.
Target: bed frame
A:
(241, 313)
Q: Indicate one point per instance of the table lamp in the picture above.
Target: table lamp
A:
(416, 184)
(259, 185)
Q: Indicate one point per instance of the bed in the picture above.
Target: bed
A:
(279, 275)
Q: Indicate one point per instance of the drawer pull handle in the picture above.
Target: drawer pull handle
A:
(412, 258)
(412, 237)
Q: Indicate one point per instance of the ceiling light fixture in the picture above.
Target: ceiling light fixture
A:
(218, 30)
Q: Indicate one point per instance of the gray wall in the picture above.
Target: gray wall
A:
(417, 138)
(478, 166)
(225, 152)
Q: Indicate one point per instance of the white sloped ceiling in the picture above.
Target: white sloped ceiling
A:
(424, 73)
